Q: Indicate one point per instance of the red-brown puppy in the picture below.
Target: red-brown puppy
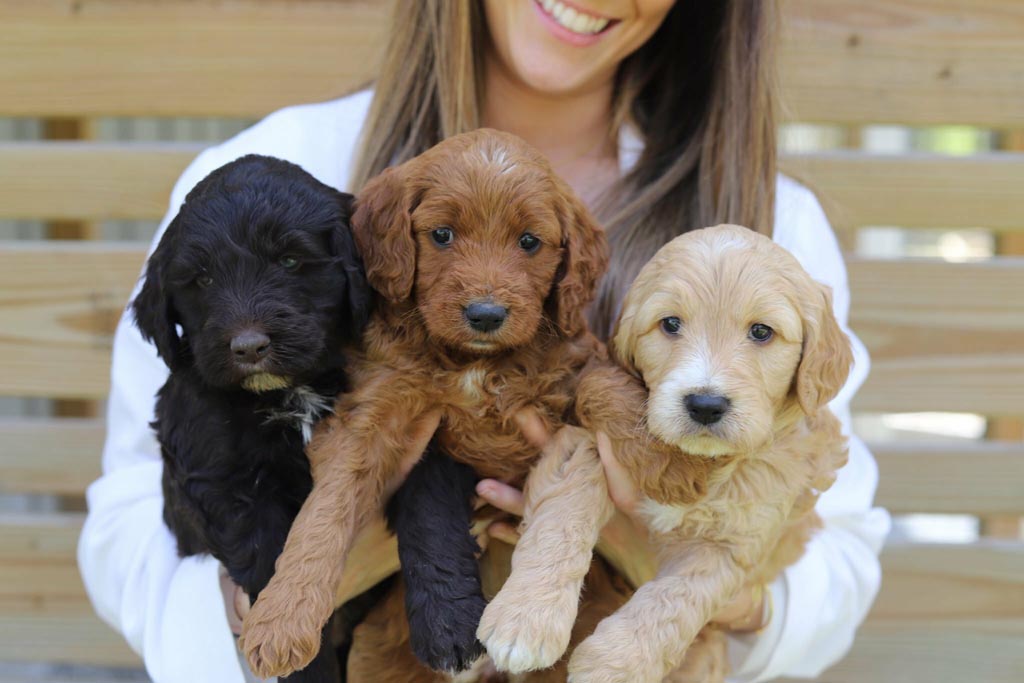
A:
(487, 261)
(730, 353)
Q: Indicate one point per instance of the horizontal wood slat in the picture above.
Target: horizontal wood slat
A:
(914, 190)
(913, 61)
(95, 181)
(59, 305)
(963, 477)
(45, 614)
(942, 336)
(931, 595)
(89, 180)
(241, 58)
(60, 456)
(858, 61)
(944, 613)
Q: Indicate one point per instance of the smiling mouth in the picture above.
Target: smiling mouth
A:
(574, 20)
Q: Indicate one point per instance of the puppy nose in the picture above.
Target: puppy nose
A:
(706, 409)
(485, 316)
(250, 346)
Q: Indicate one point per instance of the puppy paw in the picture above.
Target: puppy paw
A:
(611, 655)
(276, 645)
(445, 640)
(524, 635)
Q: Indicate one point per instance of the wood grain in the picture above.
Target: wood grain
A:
(914, 190)
(90, 180)
(855, 61)
(944, 613)
(964, 477)
(59, 456)
(932, 596)
(100, 181)
(59, 305)
(241, 58)
(942, 336)
(45, 614)
(917, 62)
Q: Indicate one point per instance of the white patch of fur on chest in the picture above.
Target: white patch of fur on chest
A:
(301, 409)
(662, 517)
(472, 384)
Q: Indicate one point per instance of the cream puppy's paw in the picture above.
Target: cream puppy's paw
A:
(526, 634)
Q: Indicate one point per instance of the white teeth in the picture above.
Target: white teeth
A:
(573, 20)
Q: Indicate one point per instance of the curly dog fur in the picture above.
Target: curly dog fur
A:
(729, 479)
(260, 273)
(487, 261)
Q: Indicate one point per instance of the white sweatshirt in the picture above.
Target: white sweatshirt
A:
(171, 609)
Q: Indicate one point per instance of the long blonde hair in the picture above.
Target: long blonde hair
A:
(700, 92)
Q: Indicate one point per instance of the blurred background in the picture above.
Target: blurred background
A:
(905, 116)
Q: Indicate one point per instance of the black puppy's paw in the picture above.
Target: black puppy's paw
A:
(445, 638)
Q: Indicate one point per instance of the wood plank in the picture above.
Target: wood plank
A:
(97, 180)
(945, 613)
(914, 190)
(60, 456)
(59, 305)
(63, 456)
(942, 336)
(241, 58)
(913, 61)
(857, 61)
(45, 614)
(133, 181)
(969, 477)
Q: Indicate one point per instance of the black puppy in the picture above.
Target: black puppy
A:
(250, 297)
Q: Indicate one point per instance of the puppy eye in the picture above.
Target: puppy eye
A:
(529, 243)
(761, 333)
(289, 262)
(671, 325)
(204, 280)
(442, 236)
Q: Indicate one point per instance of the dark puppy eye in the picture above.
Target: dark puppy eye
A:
(761, 333)
(671, 325)
(289, 262)
(529, 243)
(442, 236)
(204, 280)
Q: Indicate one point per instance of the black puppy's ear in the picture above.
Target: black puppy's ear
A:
(154, 313)
(358, 301)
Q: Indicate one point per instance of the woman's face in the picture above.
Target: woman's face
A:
(568, 46)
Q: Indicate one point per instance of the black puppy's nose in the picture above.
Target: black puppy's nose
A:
(485, 316)
(706, 408)
(250, 346)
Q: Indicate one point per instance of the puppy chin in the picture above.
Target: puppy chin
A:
(705, 445)
(264, 381)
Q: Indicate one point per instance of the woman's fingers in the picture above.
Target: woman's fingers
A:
(504, 531)
(532, 427)
(620, 485)
(502, 496)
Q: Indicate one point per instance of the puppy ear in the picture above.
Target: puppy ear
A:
(382, 227)
(623, 340)
(358, 294)
(827, 356)
(154, 313)
(584, 261)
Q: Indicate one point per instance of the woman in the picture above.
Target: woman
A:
(660, 114)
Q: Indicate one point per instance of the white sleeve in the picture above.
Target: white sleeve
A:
(819, 602)
(169, 609)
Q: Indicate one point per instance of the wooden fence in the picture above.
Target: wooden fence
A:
(943, 336)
